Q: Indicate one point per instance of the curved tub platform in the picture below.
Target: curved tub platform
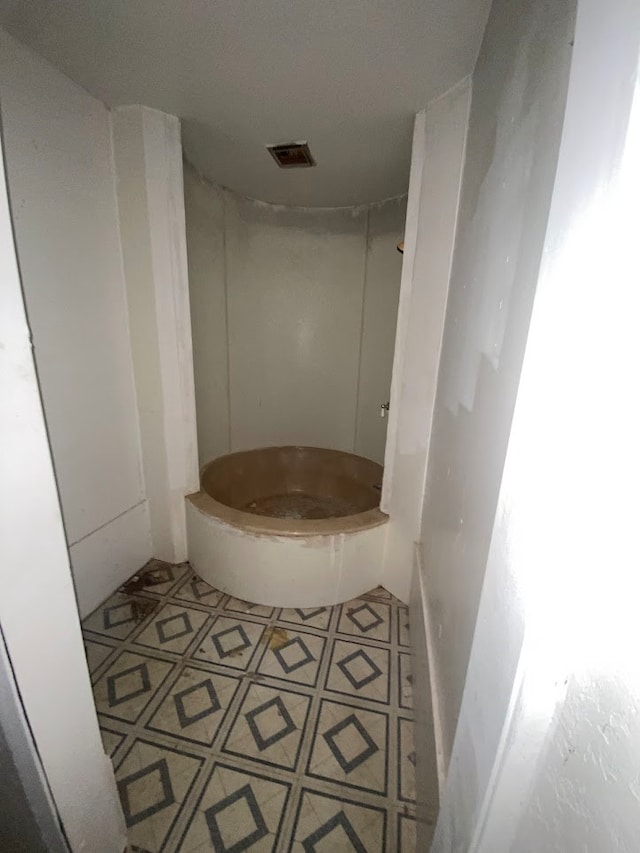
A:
(288, 526)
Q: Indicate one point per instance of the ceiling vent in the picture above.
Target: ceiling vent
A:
(292, 155)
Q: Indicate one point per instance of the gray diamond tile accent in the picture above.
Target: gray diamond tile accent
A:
(358, 683)
(118, 614)
(167, 798)
(339, 820)
(200, 589)
(180, 625)
(254, 726)
(209, 696)
(369, 749)
(236, 647)
(306, 613)
(215, 817)
(290, 662)
(364, 618)
(112, 682)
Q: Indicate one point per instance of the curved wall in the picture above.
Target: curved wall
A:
(293, 317)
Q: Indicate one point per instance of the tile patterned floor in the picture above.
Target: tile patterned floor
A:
(236, 727)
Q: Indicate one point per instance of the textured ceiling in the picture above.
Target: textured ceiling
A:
(346, 75)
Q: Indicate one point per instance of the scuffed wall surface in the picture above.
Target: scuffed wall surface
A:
(519, 91)
(587, 795)
(62, 192)
(293, 319)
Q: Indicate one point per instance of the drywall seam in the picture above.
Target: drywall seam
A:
(107, 523)
(364, 297)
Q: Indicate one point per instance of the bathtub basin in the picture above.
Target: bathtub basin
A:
(288, 526)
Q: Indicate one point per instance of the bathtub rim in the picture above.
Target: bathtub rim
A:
(289, 527)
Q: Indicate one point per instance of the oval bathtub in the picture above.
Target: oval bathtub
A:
(288, 526)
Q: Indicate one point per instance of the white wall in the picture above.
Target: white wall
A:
(379, 313)
(434, 192)
(519, 89)
(547, 749)
(148, 157)
(62, 193)
(293, 311)
(38, 612)
(204, 212)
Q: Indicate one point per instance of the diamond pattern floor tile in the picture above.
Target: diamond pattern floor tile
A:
(153, 782)
(307, 617)
(197, 591)
(173, 629)
(156, 577)
(403, 626)
(269, 726)
(293, 656)
(111, 740)
(237, 811)
(230, 643)
(236, 605)
(405, 682)
(128, 685)
(96, 653)
(350, 747)
(337, 824)
(238, 727)
(358, 671)
(365, 619)
(120, 615)
(194, 706)
(407, 761)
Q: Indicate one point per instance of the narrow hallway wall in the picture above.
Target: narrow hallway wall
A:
(519, 93)
(293, 318)
(62, 193)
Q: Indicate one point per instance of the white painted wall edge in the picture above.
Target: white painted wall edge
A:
(421, 605)
(428, 767)
(418, 151)
(163, 157)
(434, 198)
(165, 203)
(148, 157)
(110, 555)
(37, 607)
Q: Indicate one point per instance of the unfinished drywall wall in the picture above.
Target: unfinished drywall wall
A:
(62, 194)
(519, 91)
(436, 174)
(293, 318)
(547, 747)
(383, 265)
(204, 213)
(148, 160)
(585, 795)
(40, 628)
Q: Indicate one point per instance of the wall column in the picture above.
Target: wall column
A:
(40, 627)
(432, 209)
(148, 156)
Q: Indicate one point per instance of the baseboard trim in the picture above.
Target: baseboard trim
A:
(441, 761)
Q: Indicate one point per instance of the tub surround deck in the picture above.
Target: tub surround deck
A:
(290, 561)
